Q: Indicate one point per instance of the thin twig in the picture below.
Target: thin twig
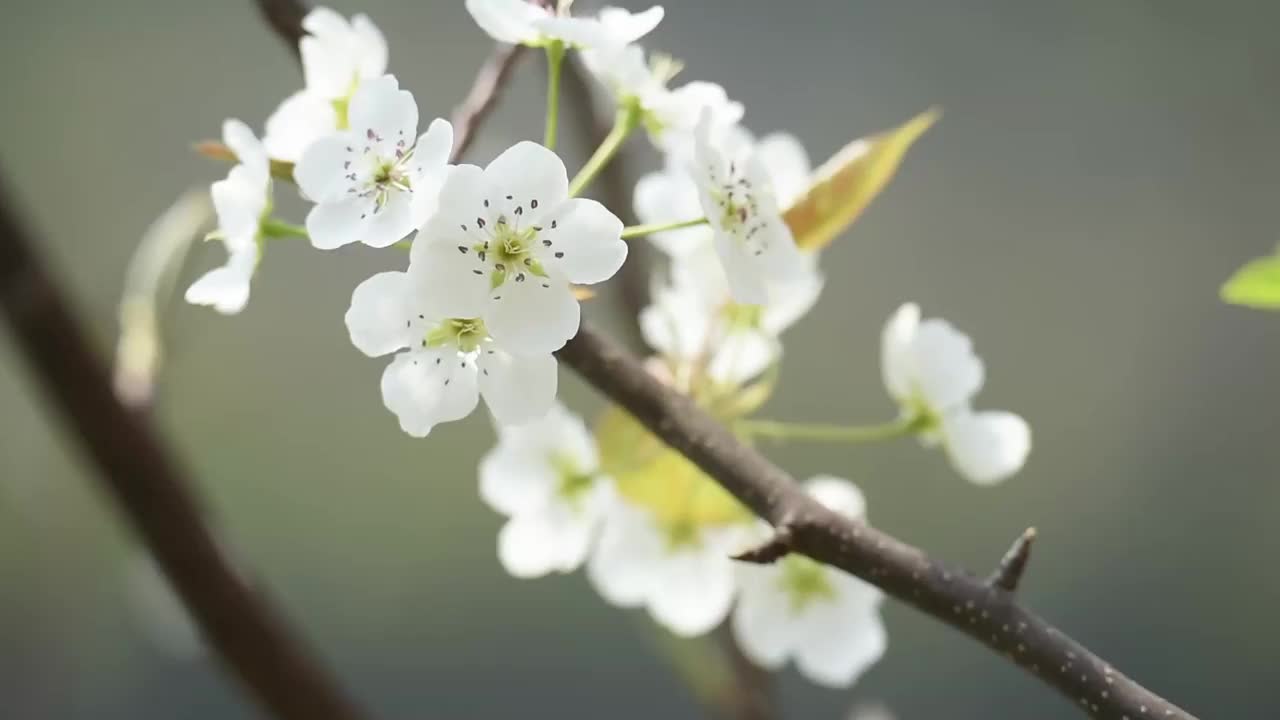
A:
(137, 468)
(965, 602)
(1008, 573)
(285, 18)
(482, 97)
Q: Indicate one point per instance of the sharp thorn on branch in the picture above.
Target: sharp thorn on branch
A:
(773, 550)
(1009, 572)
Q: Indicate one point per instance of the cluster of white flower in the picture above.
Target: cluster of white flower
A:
(487, 298)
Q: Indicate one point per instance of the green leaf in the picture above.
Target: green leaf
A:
(1256, 285)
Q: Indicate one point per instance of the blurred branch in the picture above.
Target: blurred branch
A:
(137, 468)
(285, 18)
(1009, 572)
(966, 603)
(752, 696)
(483, 96)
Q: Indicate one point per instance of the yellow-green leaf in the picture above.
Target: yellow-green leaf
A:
(850, 180)
(653, 476)
(1256, 285)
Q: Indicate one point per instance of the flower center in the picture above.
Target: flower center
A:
(510, 251)
(574, 483)
(742, 317)
(804, 581)
(466, 334)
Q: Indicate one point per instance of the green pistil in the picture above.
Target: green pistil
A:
(511, 252)
(681, 532)
(804, 581)
(738, 316)
(464, 333)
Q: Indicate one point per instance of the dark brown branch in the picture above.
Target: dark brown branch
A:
(773, 550)
(138, 470)
(482, 97)
(753, 696)
(1009, 572)
(967, 603)
(285, 18)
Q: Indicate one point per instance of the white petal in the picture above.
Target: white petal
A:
(838, 495)
(763, 621)
(327, 65)
(792, 299)
(245, 145)
(382, 108)
(517, 389)
(837, 641)
(625, 564)
(430, 168)
(509, 21)
(946, 371)
(530, 175)
(787, 165)
(369, 47)
(678, 113)
(696, 591)
(226, 289)
(301, 119)
(555, 540)
(451, 285)
(427, 387)
(677, 324)
(986, 447)
(391, 223)
(239, 202)
(742, 355)
(537, 315)
(321, 173)
(672, 196)
(896, 342)
(560, 433)
(381, 313)
(624, 27)
(514, 481)
(745, 282)
(334, 224)
(587, 241)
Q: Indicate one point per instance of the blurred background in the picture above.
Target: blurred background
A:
(1100, 169)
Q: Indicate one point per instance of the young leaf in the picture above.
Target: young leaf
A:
(846, 184)
(1256, 285)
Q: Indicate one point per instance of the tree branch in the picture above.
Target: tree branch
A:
(1008, 573)
(989, 615)
(483, 96)
(285, 18)
(139, 471)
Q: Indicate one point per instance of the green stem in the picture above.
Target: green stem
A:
(555, 60)
(625, 121)
(273, 229)
(826, 432)
(639, 230)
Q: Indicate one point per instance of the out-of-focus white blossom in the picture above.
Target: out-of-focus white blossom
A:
(525, 23)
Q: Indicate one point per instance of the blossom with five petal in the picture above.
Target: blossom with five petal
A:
(737, 197)
(668, 115)
(520, 22)
(508, 241)
(337, 56)
(373, 183)
(545, 477)
(445, 363)
(681, 572)
(696, 326)
(824, 619)
(930, 369)
(240, 201)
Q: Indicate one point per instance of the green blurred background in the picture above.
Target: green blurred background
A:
(1102, 166)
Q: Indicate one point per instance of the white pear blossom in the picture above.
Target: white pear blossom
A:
(337, 56)
(668, 115)
(373, 183)
(737, 197)
(446, 363)
(931, 370)
(695, 325)
(680, 572)
(826, 620)
(520, 22)
(545, 477)
(508, 242)
(240, 201)
(671, 194)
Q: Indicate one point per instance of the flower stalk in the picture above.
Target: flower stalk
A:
(625, 122)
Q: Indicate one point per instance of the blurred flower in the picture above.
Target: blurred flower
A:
(373, 183)
(545, 477)
(669, 116)
(337, 56)
(695, 324)
(930, 369)
(449, 363)
(826, 620)
(681, 571)
(507, 243)
(241, 201)
(524, 23)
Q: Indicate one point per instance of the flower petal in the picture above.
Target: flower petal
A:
(625, 27)
(226, 289)
(677, 323)
(515, 481)
(625, 564)
(239, 202)
(554, 540)
(839, 495)
(838, 640)
(763, 623)
(746, 285)
(946, 371)
(896, 342)
(381, 314)
(427, 387)
(532, 316)
(787, 165)
(246, 146)
(696, 590)
(454, 283)
(986, 447)
(430, 168)
(587, 241)
(517, 389)
(529, 176)
(742, 355)
(327, 64)
(369, 47)
(509, 21)
(672, 196)
(383, 114)
(334, 224)
(302, 119)
(322, 172)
